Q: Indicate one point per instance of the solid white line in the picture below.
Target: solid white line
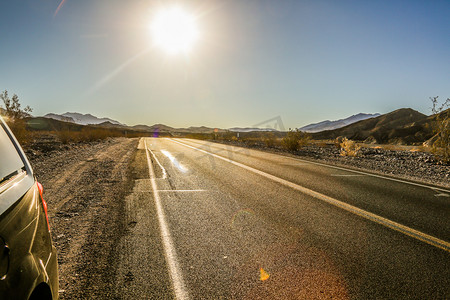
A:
(176, 191)
(347, 175)
(371, 174)
(159, 164)
(350, 208)
(169, 249)
(359, 172)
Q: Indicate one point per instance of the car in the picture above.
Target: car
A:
(28, 258)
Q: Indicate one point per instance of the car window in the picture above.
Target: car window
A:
(10, 161)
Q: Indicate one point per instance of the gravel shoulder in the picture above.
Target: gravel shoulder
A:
(411, 165)
(84, 186)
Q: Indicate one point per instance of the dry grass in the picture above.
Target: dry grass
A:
(85, 135)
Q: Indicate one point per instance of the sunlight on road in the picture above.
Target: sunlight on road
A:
(174, 161)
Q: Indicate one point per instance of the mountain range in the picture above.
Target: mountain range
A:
(81, 119)
(330, 125)
(88, 119)
(402, 126)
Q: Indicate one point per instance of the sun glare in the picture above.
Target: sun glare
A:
(174, 30)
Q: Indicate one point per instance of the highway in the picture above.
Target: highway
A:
(213, 221)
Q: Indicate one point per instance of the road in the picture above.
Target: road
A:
(212, 221)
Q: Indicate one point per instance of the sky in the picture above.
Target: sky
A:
(302, 61)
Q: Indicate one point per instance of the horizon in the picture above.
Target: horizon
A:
(304, 61)
(227, 128)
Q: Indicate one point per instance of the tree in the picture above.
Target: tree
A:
(441, 128)
(13, 109)
(14, 116)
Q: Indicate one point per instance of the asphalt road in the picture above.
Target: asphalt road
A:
(212, 221)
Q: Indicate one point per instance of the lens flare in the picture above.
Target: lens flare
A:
(174, 30)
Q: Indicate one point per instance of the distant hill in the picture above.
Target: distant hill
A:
(88, 119)
(330, 125)
(82, 119)
(402, 126)
(250, 129)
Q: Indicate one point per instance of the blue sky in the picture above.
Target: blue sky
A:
(305, 61)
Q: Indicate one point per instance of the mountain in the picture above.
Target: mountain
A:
(330, 125)
(250, 129)
(77, 118)
(89, 119)
(402, 126)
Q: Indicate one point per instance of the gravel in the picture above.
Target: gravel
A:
(84, 186)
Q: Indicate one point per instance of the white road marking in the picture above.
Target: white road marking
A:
(294, 164)
(442, 195)
(169, 249)
(350, 208)
(159, 164)
(371, 174)
(176, 191)
(347, 175)
(365, 173)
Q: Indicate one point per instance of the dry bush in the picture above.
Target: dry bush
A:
(295, 139)
(19, 128)
(67, 136)
(349, 148)
(337, 142)
(441, 129)
(270, 139)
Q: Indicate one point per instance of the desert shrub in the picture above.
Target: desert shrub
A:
(269, 139)
(349, 148)
(67, 136)
(441, 129)
(295, 139)
(86, 134)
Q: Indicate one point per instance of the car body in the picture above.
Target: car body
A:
(28, 261)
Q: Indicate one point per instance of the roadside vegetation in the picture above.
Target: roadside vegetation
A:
(440, 145)
(349, 148)
(15, 116)
(28, 130)
(295, 139)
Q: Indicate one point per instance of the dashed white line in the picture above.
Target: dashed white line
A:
(176, 276)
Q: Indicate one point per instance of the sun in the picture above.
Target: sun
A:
(174, 30)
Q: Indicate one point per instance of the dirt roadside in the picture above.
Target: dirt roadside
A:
(85, 187)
